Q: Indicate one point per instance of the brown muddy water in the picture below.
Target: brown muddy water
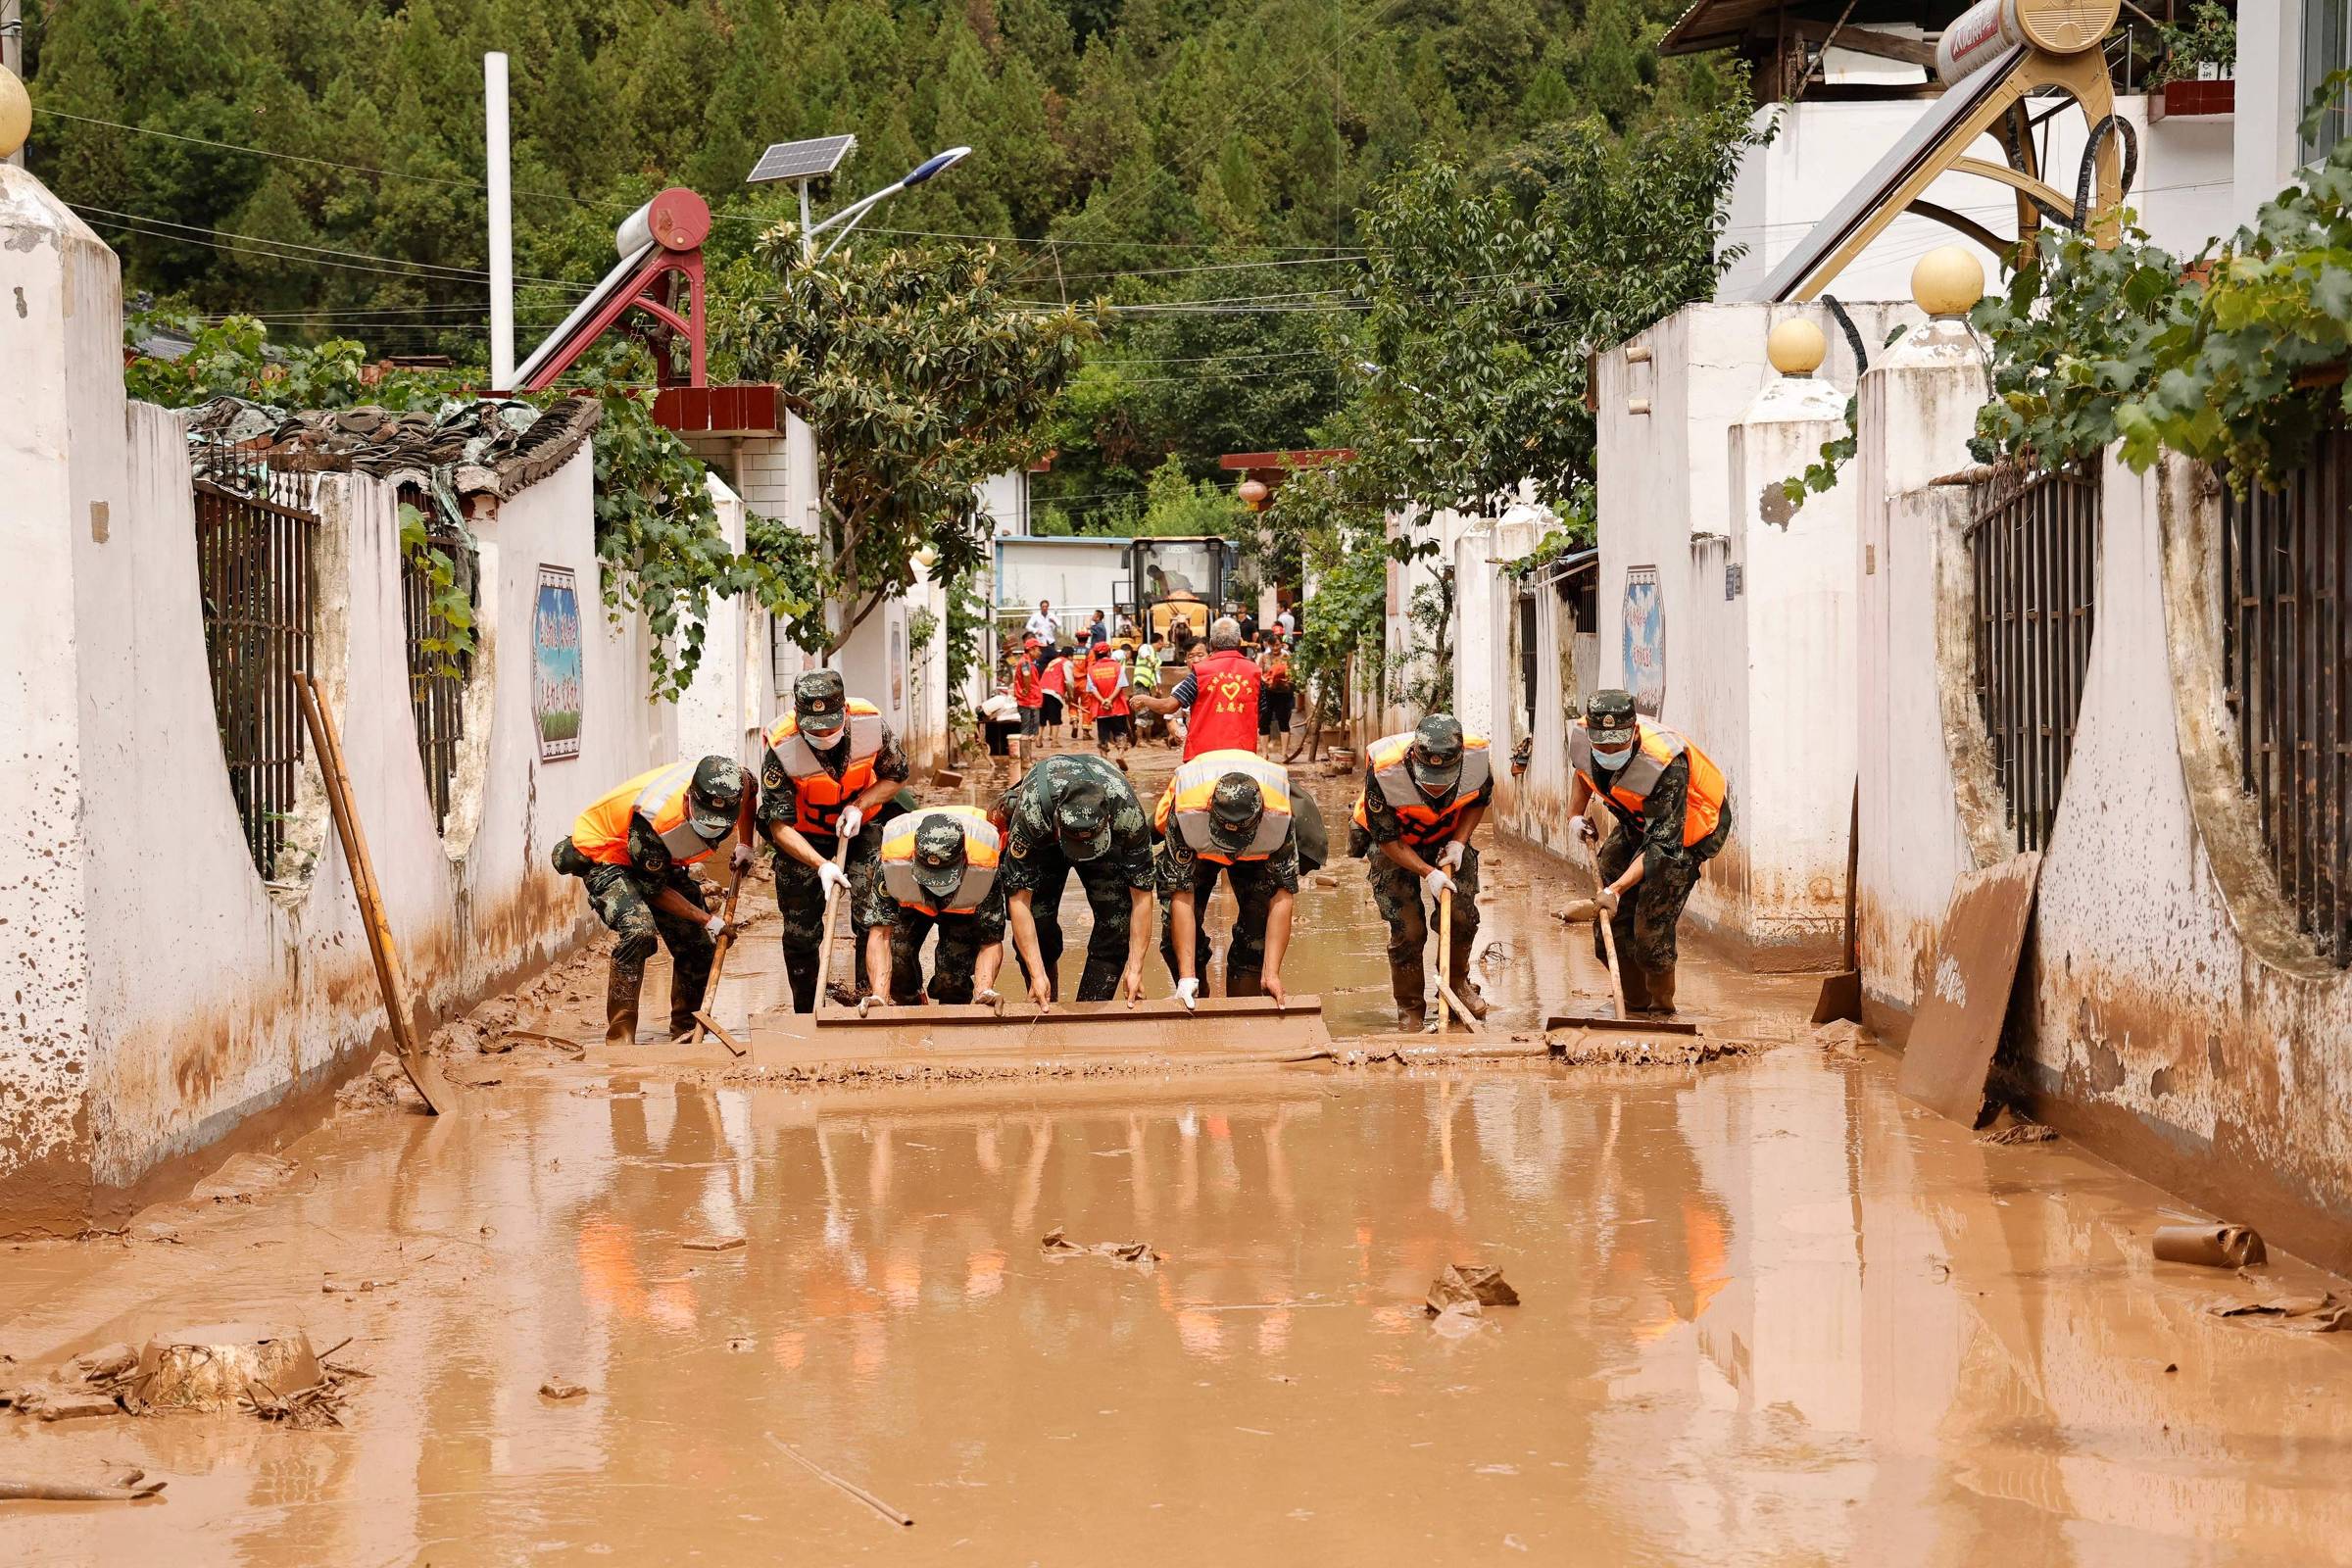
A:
(1770, 1313)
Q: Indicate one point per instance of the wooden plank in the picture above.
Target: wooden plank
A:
(1958, 1025)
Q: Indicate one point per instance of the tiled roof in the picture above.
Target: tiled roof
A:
(490, 446)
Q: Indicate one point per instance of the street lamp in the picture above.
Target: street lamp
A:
(848, 217)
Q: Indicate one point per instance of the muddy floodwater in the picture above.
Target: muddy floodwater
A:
(1769, 1314)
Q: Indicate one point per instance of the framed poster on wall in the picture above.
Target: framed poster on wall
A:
(557, 694)
(1645, 622)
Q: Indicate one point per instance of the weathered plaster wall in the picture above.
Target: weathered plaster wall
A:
(732, 693)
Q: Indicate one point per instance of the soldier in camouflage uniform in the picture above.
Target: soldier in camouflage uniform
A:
(1425, 793)
(934, 853)
(1228, 834)
(1673, 813)
(831, 767)
(632, 846)
(1079, 812)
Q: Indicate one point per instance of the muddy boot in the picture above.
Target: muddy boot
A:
(1408, 982)
(1661, 991)
(681, 1014)
(1635, 980)
(1466, 993)
(1412, 1020)
(620, 1002)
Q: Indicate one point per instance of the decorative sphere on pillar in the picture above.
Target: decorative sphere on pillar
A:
(16, 112)
(1949, 281)
(1796, 347)
(1254, 493)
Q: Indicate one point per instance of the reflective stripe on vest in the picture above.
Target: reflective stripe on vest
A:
(1187, 800)
(1224, 712)
(817, 797)
(1424, 823)
(1658, 746)
(982, 849)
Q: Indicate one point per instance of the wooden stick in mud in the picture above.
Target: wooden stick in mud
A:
(389, 976)
(12, 1490)
(849, 1487)
(824, 947)
(1445, 955)
(1608, 937)
(718, 964)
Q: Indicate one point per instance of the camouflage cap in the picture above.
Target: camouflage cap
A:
(1236, 807)
(1610, 719)
(1082, 821)
(714, 797)
(938, 856)
(1436, 757)
(818, 701)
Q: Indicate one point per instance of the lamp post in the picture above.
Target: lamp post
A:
(848, 217)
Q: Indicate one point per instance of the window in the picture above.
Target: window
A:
(2326, 49)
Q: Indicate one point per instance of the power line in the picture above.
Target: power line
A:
(429, 269)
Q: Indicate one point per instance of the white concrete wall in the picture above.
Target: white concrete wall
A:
(2186, 190)
(2264, 145)
(1005, 502)
(1678, 495)
(733, 691)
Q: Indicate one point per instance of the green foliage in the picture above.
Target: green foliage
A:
(1821, 475)
(1576, 528)
(1332, 523)
(2078, 336)
(970, 641)
(1422, 678)
(920, 376)
(2209, 40)
(449, 600)
(1176, 507)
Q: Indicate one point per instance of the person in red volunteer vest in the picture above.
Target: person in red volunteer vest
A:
(1218, 696)
(1107, 701)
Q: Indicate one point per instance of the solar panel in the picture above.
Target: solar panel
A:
(802, 160)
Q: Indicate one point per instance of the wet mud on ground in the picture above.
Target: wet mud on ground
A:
(1769, 1312)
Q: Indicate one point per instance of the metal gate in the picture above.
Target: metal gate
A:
(254, 540)
(2287, 656)
(2033, 542)
(437, 677)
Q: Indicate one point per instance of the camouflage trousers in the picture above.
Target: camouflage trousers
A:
(800, 901)
(953, 962)
(1644, 923)
(1108, 896)
(1411, 913)
(1253, 890)
(622, 899)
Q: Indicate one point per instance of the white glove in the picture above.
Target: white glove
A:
(832, 878)
(1586, 832)
(1187, 992)
(741, 860)
(1437, 882)
(1451, 856)
(851, 819)
(715, 926)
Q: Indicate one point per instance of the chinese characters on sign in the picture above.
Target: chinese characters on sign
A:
(1644, 619)
(555, 684)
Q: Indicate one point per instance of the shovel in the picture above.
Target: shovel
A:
(1608, 948)
(706, 1018)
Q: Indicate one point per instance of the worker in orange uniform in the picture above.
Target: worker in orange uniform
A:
(1228, 813)
(1425, 792)
(1672, 812)
(939, 871)
(1277, 699)
(831, 764)
(1107, 701)
(1218, 696)
(632, 847)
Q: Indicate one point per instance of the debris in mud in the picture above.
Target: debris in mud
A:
(1059, 1244)
(385, 1086)
(131, 1487)
(1586, 1048)
(1468, 1284)
(712, 1243)
(741, 1344)
(1844, 1036)
(894, 1515)
(558, 1389)
(1458, 1321)
(267, 1372)
(242, 1177)
(508, 1039)
(2009, 1129)
(2210, 1246)
(74, 1406)
(2324, 1313)
(1324, 880)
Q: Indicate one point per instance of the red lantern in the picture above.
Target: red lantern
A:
(1254, 493)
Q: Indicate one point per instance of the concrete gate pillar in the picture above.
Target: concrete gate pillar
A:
(62, 473)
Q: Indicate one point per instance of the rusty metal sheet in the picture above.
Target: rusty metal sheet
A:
(1958, 1026)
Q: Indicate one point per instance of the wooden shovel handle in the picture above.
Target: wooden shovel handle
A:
(824, 947)
(718, 960)
(1608, 936)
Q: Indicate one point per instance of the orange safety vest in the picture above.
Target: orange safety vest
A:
(1657, 746)
(602, 832)
(983, 847)
(1186, 798)
(1107, 695)
(817, 797)
(1424, 823)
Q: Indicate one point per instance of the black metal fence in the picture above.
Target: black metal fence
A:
(255, 532)
(2035, 545)
(437, 674)
(2287, 658)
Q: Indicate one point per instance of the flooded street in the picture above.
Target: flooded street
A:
(1769, 1314)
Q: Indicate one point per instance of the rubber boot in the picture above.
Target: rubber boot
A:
(1636, 982)
(1661, 991)
(1408, 982)
(681, 1014)
(1466, 993)
(620, 1003)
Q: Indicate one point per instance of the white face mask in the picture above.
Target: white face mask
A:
(825, 743)
(1613, 761)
